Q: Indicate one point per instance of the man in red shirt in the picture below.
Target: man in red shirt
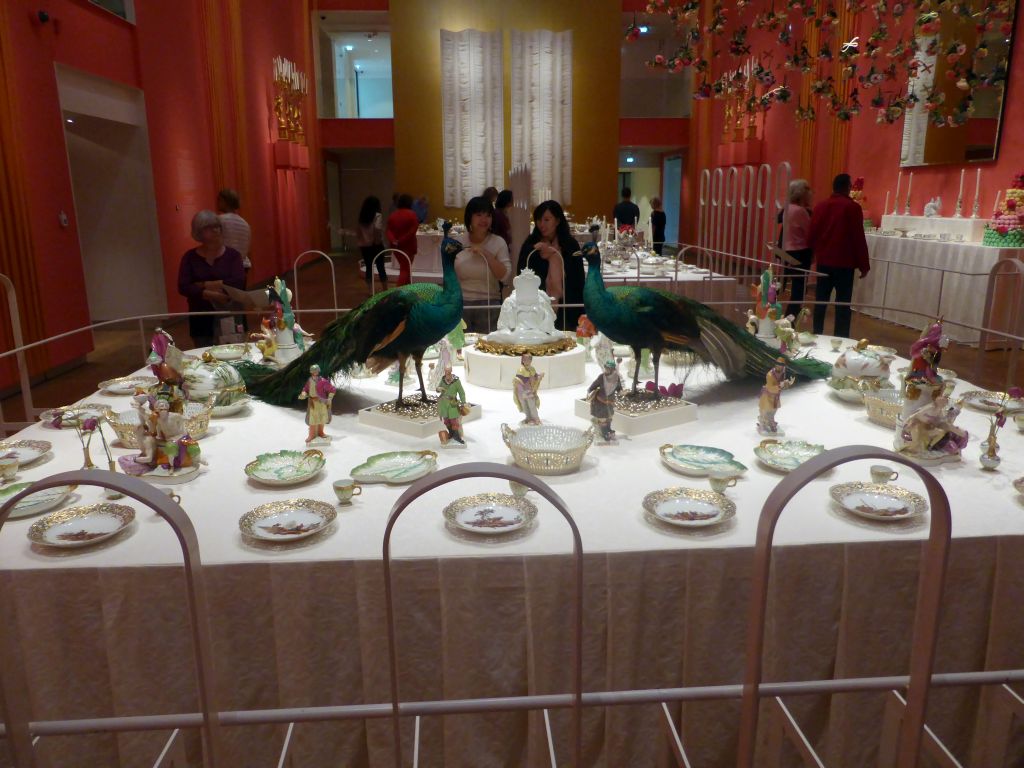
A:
(837, 238)
(401, 233)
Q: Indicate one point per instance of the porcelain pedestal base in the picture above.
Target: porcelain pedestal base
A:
(632, 424)
(413, 426)
(498, 371)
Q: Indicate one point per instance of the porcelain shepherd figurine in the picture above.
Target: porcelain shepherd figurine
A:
(771, 398)
(318, 393)
(601, 394)
(451, 407)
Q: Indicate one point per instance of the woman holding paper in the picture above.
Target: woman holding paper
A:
(202, 275)
(796, 223)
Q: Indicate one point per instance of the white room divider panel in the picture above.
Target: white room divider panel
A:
(542, 110)
(472, 96)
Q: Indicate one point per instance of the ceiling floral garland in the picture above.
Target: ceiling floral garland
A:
(883, 63)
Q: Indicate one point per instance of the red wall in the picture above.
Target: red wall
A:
(83, 36)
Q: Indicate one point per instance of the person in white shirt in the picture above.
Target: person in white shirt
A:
(482, 266)
(236, 230)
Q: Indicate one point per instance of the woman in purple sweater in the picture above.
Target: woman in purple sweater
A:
(203, 273)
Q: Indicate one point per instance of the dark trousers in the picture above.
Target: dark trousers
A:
(369, 251)
(839, 279)
(798, 280)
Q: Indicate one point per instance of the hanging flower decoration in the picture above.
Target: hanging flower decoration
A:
(874, 61)
(805, 114)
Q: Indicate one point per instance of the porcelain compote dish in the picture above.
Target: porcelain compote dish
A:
(285, 467)
(395, 467)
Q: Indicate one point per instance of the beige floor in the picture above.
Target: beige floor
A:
(120, 350)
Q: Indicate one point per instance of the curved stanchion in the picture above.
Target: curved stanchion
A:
(926, 617)
(17, 717)
(334, 281)
(26, 390)
(501, 472)
(385, 252)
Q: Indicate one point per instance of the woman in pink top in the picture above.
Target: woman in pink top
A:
(796, 223)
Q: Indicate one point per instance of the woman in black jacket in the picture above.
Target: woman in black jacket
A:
(554, 259)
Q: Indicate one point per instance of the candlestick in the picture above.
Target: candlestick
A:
(977, 193)
(896, 200)
(886, 206)
(910, 183)
(615, 229)
(960, 198)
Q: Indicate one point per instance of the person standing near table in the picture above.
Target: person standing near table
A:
(555, 261)
(401, 232)
(369, 237)
(658, 220)
(626, 212)
(501, 226)
(237, 233)
(203, 273)
(836, 236)
(481, 266)
(796, 224)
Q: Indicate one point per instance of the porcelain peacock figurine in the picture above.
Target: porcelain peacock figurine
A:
(395, 324)
(658, 320)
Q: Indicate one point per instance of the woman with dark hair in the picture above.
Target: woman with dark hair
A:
(369, 236)
(491, 195)
(658, 220)
(554, 259)
(502, 226)
(402, 228)
(482, 265)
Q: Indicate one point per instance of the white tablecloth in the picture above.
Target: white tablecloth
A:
(929, 276)
(103, 630)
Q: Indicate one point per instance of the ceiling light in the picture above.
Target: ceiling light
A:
(70, 120)
(630, 159)
(643, 29)
(350, 47)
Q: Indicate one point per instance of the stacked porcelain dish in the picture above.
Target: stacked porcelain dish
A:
(861, 370)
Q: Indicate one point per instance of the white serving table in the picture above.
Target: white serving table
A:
(931, 276)
(103, 629)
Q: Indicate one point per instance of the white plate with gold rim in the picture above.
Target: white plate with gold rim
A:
(689, 507)
(983, 400)
(72, 414)
(878, 501)
(289, 520)
(26, 451)
(81, 526)
(126, 385)
(489, 514)
(226, 352)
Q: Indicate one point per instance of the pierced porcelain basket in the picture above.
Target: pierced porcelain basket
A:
(126, 422)
(548, 449)
(884, 406)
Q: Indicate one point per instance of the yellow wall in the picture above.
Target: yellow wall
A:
(416, 63)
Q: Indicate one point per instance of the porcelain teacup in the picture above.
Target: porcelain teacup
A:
(8, 468)
(882, 474)
(345, 489)
(170, 494)
(518, 489)
(836, 344)
(720, 481)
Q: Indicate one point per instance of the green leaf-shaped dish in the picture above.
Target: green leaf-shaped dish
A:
(285, 467)
(396, 467)
(699, 460)
(786, 455)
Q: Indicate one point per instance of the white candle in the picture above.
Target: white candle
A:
(615, 228)
(999, 194)
(896, 200)
(885, 208)
(650, 232)
(960, 194)
(977, 185)
(910, 183)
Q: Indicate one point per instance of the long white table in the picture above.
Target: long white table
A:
(929, 276)
(103, 630)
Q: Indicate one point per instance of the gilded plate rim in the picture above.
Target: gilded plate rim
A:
(247, 522)
(525, 506)
(726, 505)
(250, 468)
(916, 503)
(43, 446)
(36, 531)
(968, 398)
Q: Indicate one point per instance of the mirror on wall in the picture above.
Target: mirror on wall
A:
(941, 128)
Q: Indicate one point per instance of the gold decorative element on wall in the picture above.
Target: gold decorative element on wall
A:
(291, 87)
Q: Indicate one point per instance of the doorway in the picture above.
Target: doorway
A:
(112, 182)
(671, 186)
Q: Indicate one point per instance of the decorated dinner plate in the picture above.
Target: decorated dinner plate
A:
(287, 520)
(285, 467)
(26, 451)
(72, 414)
(236, 406)
(882, 350)
(490, 514)
(36, 503)
(688, 507)
(946, 373)
(396, 467)
(699, 460)
(126, 385)
(982, 400)
(878, 501)
(81, 526)
(225, 352)
(786, 455)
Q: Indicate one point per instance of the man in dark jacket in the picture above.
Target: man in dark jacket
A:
(837, 238)
(626, 211)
